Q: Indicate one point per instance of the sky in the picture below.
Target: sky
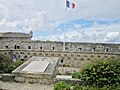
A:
(90, 20)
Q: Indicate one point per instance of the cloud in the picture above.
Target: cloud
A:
(3, 11)
(95, 33)
(40, 23)
(112, 37)
(95, 9)
(98, 9)
(42, 16)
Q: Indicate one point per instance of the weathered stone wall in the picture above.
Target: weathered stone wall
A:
(75, 54)
(68, 59)
(15, 36)
(58, 46)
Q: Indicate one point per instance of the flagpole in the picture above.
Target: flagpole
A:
(64, 27)
(67, 5)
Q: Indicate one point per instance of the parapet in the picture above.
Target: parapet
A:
(16, 36)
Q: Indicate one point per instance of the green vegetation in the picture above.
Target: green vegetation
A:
(99, 75)
(64, 86)
(61, 86)
(7, 65)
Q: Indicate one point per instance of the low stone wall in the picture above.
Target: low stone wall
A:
(7, 77)
(12, 78)
(34, 80)
(71, 81)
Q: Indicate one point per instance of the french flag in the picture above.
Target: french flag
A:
(70, 4)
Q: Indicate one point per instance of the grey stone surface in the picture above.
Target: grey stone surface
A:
(15, 36)
(36, 66)
(24, 86)
(31, 71)
(75, 55)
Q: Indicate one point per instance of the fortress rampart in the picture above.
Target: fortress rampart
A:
(75, 54)
(58, 46)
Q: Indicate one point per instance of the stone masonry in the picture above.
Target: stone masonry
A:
(75, 54)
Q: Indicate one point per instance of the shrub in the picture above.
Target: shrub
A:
(61, 85)
(4, 63)
(76, 75)
(100, 73)
(64, 86)
(7, 65)
(13, 66)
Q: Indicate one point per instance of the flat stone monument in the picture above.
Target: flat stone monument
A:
(37, 70)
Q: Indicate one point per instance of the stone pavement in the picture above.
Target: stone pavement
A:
(24, 86)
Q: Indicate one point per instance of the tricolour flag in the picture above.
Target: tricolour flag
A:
(70, 4)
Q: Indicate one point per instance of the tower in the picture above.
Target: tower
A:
(31, 34)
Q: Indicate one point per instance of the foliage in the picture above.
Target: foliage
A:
(76, 75)
(14, 65)
(7, 65)
(64, 86)
(4, 63)
(61, 86)
(100, 73)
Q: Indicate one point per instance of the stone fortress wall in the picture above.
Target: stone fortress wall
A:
(15, 36)
(75, 54)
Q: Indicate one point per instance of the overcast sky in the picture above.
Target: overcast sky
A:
(89, 21)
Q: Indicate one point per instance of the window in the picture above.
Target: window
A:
(15, 47)
(61, 60)
(79, 49)
(29, 47)
(41, 48)
(53, 48)
(93, 49)
(6, 46)
(18, 47)
(107, 50)
(66, 48)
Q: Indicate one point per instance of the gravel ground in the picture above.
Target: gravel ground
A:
(23, 86)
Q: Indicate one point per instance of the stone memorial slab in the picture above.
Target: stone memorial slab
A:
(37, 70)
(36, 66)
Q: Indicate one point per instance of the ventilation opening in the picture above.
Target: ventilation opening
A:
(6, 46)
(79, 49)
(93, 49)
(61, 61)
(15, 47)
(66, 48)
(29, 47)
(107, 50)
(41, 48)
(53, 48)
(18, 47)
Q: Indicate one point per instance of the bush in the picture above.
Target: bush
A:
(64, 86)
(4, 63)
(101, 73)
(13, 66)
(61, 86)
(7, 65)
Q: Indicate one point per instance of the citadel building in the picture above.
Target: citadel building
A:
(75, 54)
(15, 36)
